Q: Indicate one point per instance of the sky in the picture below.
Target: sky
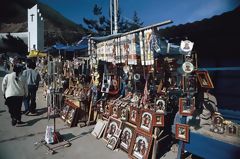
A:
(149, 11)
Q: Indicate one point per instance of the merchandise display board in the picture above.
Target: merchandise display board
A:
(149, 90)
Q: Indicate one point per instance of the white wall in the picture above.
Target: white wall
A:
(35, 29)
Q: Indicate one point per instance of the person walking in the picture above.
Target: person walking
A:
(14, 88)
(33, 78)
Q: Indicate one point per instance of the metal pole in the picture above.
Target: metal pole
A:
(110, 14)
(115, 16)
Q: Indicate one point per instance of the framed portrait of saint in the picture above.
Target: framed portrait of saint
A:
(160, 105)
(115, 111)
(186, 106)
(123, 113)
(134, 115)
(64, 112)
(126, 136)
(204, 79)
(112, 125)
(146, 121)
(189, 83)
(141, 145)
(158, 120)
(112, 142)
(182, 132)
(107, 110)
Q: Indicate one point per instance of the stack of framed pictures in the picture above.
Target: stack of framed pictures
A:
(69, 113)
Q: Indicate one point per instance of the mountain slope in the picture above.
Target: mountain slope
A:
(13, 18)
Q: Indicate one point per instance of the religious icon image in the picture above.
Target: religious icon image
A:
(117, 132)
(124, 114)
(112, 126)
(112, 141)
(115, 111)
(141, 145)
(158, 120)
(186, 46)
(187, 67)
(133, 115)
(160, 106)
(186, 106)
(204, 79)
(189, 83)
(146, 122)
(126, 137)
(182, 132)
(64, 112)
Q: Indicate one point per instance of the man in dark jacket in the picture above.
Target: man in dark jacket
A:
(33, 78)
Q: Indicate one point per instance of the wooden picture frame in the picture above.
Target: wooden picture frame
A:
(141, 145)
(112, 125)
(189, 84)
(186, 106)
(123, 113)
(64, 111)
(146, 121)
(98, 129)
(232, 129)
(107, 110)
(158, 120)
(133, 115)
(115, 110)
(112, 142)
(204, 79)
(72, 115)
(160, 105)
(126, 136)
(182, 132)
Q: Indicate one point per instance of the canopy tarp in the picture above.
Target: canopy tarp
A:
(35, 53)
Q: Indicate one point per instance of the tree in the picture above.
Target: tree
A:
(101, 25)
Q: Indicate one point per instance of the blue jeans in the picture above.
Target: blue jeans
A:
(30, 100)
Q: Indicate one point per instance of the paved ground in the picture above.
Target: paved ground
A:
(22, 142)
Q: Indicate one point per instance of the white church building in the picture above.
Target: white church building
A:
(35, 29)
(34, 38)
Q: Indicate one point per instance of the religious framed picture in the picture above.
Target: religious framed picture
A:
(126, 136)
(107, 110)
(71, 118)
(134, 115)
(186, 106)
(123, 113)
(146, 121)
(64, 112)
(112, 125)
(160, 105)
(115, 111)
(189, 83)
(232, 129)
(98, 129)
(204, 79)
(158, 120)
(112, 142)
(141, 145)
(182, 132)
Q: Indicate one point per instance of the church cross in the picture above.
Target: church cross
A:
(32, 17)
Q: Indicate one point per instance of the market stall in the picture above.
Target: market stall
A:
(146, 91)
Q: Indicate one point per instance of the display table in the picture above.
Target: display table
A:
(210, 145)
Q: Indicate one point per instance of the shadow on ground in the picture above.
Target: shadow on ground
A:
(41, 111)
(32, 122)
